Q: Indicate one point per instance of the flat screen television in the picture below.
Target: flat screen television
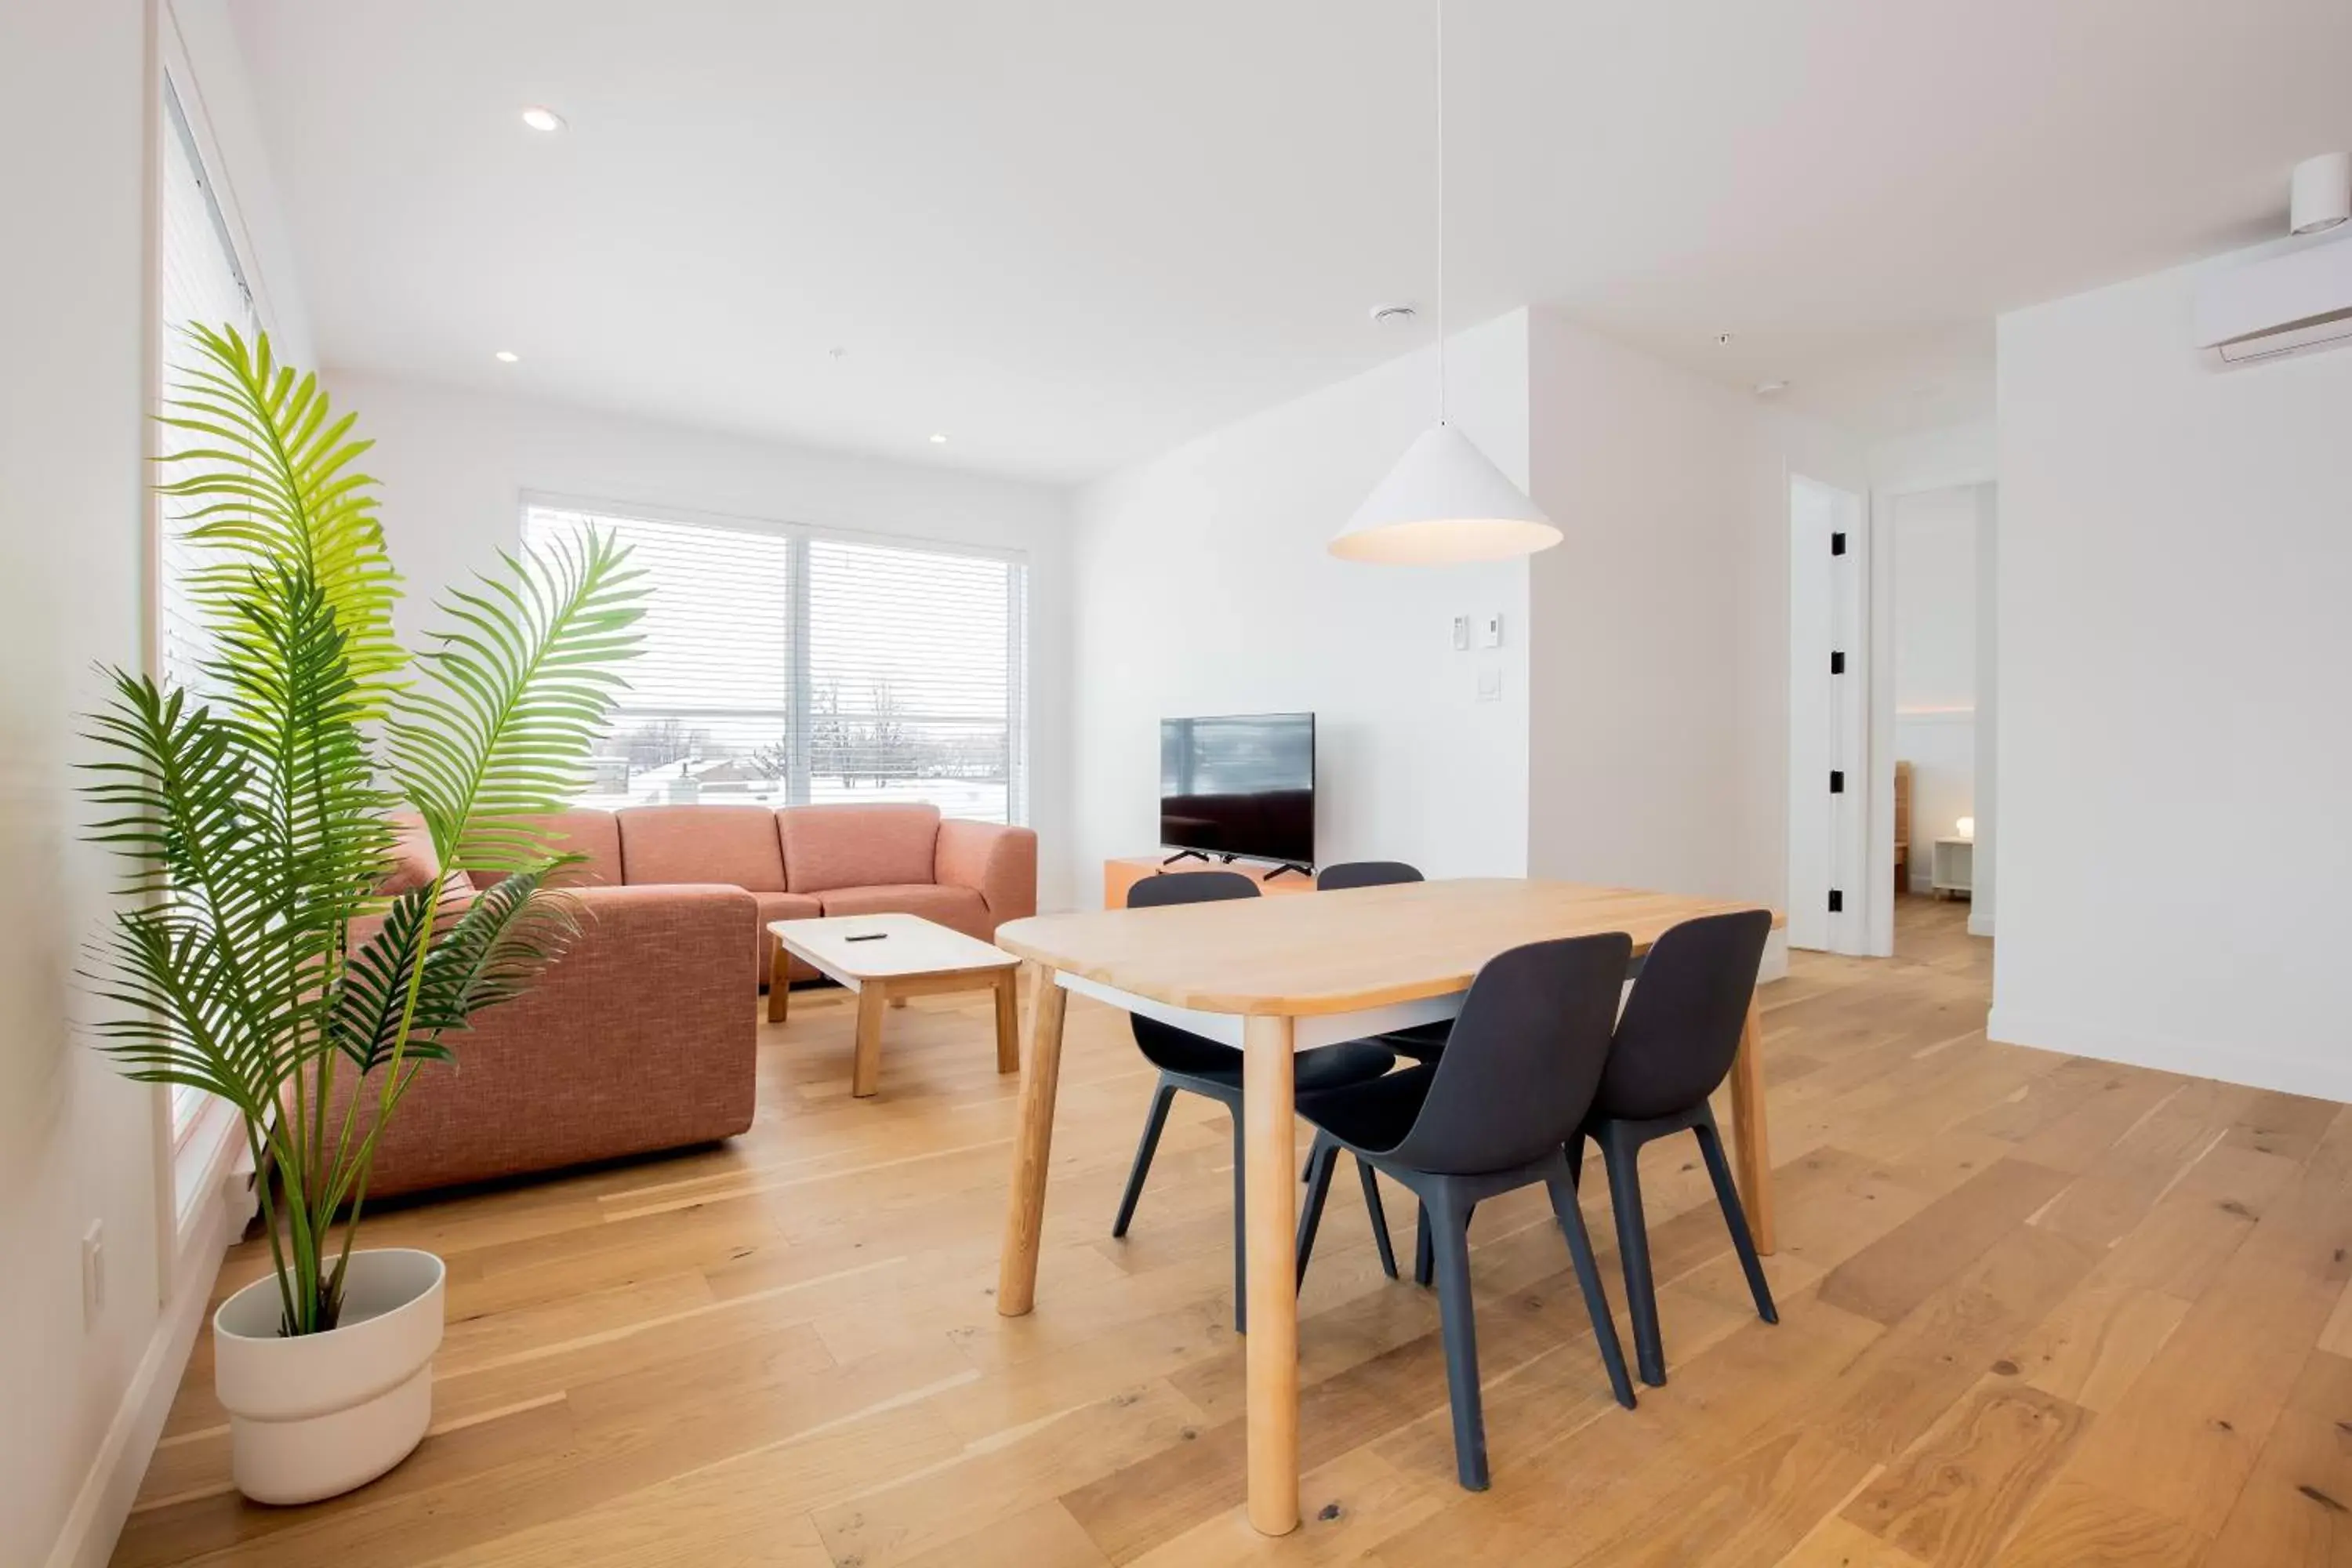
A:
(1239, 785)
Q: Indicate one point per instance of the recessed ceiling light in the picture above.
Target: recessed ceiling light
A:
(937, 439)
(507, 356)
(1770, 388)
(539, 118)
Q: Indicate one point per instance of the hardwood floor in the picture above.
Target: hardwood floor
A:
(2034, 1310)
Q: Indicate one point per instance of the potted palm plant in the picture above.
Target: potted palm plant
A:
(266, 953)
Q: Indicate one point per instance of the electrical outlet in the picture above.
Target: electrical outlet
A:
(1460, 634)
(1490, 685)
(93, 1272)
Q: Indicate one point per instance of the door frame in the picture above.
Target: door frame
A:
(1829, 605)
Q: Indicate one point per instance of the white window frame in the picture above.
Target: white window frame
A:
(800, 535)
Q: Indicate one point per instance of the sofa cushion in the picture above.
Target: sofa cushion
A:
(782, 907)
(827, 847)
(733, 844)
(961, 908)
(580, 832)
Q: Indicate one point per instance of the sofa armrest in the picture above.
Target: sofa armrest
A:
(999, 863)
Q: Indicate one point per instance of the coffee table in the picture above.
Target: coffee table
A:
(885, 959)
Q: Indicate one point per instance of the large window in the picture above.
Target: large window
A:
(785, 666)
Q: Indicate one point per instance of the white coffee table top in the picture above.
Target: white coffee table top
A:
(907, 945)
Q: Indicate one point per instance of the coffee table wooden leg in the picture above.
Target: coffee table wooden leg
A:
(1270, 1175)
(866, 1073)
(898, 1001)
(1752, 1147)
(1008, 1030)
(780, 981)
(1033, 1146)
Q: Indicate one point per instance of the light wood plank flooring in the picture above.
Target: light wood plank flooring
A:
(2034, 1310)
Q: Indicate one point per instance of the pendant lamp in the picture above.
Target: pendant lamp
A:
(1445, 502)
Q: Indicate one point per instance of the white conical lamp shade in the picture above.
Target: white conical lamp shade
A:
(1445, 502)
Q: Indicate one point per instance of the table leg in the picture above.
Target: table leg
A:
(1270, 1178)
(866, 1073)
(1008, 1032)
(1751, 1148)
(1024, 1219)
(780, 981)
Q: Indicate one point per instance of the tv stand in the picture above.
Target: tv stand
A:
(1187, 854)
(1288, 866)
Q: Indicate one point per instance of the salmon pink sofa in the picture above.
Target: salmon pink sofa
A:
(641, 1037)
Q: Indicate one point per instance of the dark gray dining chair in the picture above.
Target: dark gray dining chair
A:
(1490, 1116)
(1212, 1069)
(1420, 1041)
(1673, 1047)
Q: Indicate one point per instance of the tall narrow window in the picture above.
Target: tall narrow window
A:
(784, 666)
(200, 281)
(202, 284)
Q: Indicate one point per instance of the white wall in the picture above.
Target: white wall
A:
(77, 1143)
(1203, 586)
(1659, 734)
(455, 466)
(2174, 572)
(1933, 537)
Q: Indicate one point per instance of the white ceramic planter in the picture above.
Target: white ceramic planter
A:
(315, 1414)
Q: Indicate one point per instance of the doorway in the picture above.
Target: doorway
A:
(1932, 684)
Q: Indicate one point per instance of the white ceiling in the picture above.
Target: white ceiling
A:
(1070, 233)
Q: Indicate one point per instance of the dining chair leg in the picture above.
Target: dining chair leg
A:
(1424, 1259)
(1153, 1124)
(1624, 1157)
(1380, 1219)
(1596, 1297)
(1459, 1330)
(1735, 1217)
(1321, 1160)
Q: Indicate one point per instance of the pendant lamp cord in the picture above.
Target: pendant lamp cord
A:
(1441, 211)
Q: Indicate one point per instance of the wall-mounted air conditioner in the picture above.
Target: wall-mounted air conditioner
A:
(2288, 304)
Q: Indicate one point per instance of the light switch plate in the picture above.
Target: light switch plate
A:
(1460, 634)
(1490, 630)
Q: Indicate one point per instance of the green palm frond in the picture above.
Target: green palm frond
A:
(278, 493)
(521, 683)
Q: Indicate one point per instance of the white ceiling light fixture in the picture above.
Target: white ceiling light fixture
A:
(539, 117)
(1446, 502)
(939, 439)
(506, 356)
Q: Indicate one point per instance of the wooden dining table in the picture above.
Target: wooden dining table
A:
(1276, 976)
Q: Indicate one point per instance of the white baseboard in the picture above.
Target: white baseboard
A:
(1980, 918)
(107, 1492)
(2231, 1063)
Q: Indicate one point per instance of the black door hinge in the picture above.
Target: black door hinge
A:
(1837, 901)
(1837, 543)
(1837, 780)
(1837, 661)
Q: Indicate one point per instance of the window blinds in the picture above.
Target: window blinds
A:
(201, 284)
(786, 666)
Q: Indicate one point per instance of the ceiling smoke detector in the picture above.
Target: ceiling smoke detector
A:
(1392, 315)
(1770, 388)
(2321, 195)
